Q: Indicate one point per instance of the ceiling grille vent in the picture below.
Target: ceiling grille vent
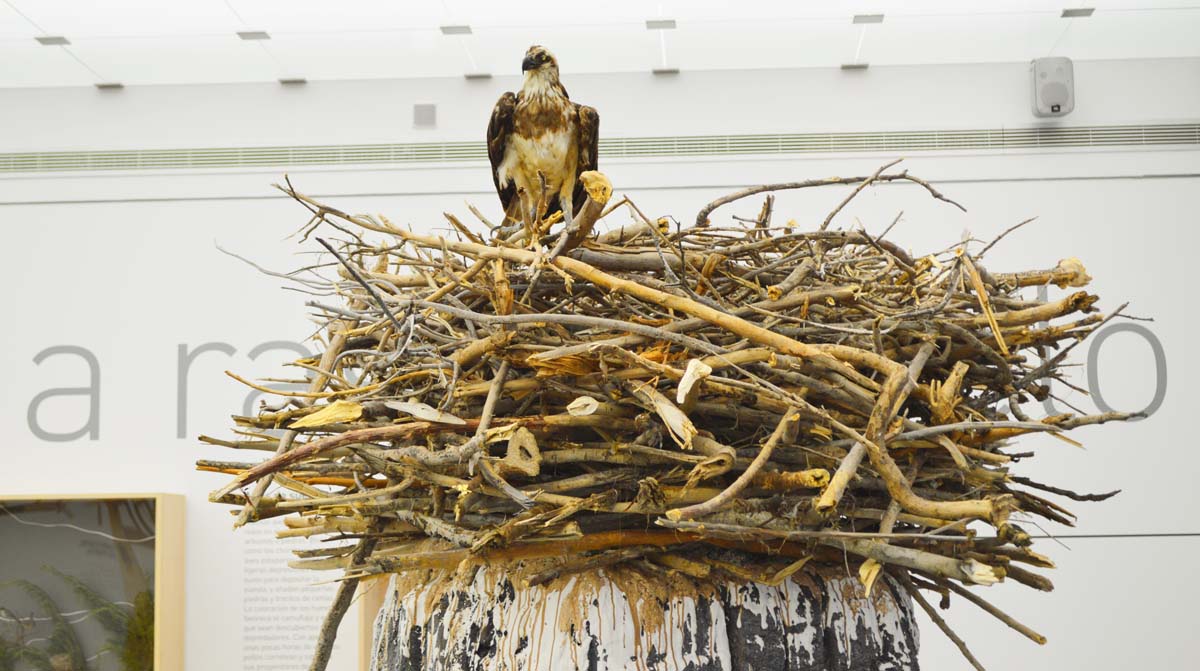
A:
(639, 147)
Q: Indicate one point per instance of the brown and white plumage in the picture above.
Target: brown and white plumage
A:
(539, 129)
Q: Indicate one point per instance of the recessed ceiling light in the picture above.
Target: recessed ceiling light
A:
(52, 40)
(110, 86)
(478, 75)
(456, 30)
(1078, 13)
(253, 35)
(868, 18)
(292, 81)
(660, 24)
(665, 71)
(855, 66)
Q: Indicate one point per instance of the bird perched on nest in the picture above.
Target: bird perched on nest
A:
(538, 133)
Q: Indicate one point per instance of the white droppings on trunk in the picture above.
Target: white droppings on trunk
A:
(597, 622)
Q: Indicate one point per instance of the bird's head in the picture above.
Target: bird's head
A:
(539, 60)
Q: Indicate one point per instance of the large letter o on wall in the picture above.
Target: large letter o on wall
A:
(1160, 366)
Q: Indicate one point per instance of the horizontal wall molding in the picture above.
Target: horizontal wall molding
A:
(640, 147)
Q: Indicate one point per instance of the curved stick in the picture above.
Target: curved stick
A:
(702, 216)
(725, 497)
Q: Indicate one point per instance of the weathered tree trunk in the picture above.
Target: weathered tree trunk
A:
(620, 618)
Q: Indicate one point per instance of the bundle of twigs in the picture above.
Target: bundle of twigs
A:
(653, 392)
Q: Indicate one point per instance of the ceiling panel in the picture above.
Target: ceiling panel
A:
(1104, 6)
(31, 64)
(307, 16)
(578, 49)
(369, 55)
(192, 59)
(778, 44)
(512, 13)
(959, 39)
(13, 25)
(1158, 34)
(91, 18)
(193, 41)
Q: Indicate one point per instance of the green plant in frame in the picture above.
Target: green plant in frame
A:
(9, 653)
(131, 631)
(131, 634)
(137, 654)
(89, 632)
(111, 616)
(63, 649)
(13, 650)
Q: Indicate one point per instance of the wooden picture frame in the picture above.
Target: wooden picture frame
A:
(167, 537)
(371, 593)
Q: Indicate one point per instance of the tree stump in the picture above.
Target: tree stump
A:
(482, 619)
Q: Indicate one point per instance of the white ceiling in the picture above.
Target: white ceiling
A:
(141, 42)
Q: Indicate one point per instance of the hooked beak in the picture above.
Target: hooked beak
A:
(528, 64)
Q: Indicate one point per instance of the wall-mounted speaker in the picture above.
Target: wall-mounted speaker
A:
(1053, 86)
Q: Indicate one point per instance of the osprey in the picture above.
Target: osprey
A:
(539, 130)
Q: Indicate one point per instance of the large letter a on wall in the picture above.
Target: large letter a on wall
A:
(91, 428)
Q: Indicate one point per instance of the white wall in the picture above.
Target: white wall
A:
(124, 265)
(691, 103)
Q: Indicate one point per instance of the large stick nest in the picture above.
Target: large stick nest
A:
(647, 393)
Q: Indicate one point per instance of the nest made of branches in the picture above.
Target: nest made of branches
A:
(649, 394)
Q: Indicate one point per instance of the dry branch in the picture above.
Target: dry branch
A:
(823, 395)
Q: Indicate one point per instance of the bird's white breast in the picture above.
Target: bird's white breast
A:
(546, 152)
(550, 151)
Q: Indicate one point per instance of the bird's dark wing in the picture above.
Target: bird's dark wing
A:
(499, 128)
(587, 137)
